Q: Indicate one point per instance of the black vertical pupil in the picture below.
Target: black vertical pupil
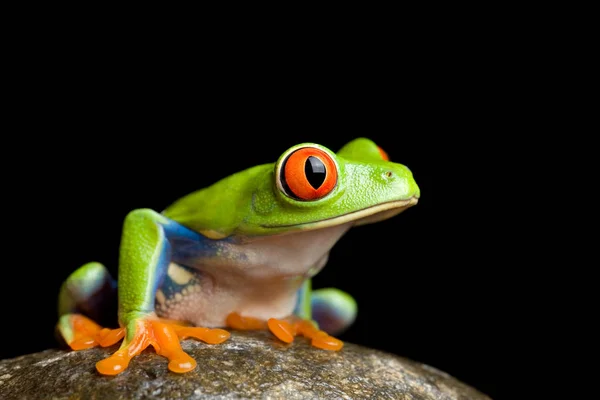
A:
(315, 171)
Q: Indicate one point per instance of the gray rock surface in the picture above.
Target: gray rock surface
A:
(248, 365)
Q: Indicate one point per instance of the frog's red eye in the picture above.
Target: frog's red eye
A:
(308, 174)
(384, 155)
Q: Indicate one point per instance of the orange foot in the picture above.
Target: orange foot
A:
(286, 330)
(163, 335)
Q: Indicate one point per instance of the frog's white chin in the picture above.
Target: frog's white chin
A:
(365, 216)
(381, 215)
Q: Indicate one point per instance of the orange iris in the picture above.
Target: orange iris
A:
(309, 174)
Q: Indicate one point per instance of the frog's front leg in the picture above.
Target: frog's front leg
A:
(144, 255)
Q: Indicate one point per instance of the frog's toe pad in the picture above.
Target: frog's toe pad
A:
(326, 342)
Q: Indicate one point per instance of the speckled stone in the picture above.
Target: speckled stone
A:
(247, 366)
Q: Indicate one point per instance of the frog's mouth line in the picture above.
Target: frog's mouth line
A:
(364, 216)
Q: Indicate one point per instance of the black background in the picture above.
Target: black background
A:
(96, 139)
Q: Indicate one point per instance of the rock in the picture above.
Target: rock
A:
(248, 365)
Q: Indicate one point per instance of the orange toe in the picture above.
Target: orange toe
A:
(327, 342)
(181, 363)
(87, 333)
(207, 335)
(169, 346)
(82, 324)
(108, 337)
(319, 338)
(114, 364)
(282, 329)
(83, 343)
(236, 321)
(84, 332)
(118, 362)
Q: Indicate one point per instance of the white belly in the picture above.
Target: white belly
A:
(263, 283)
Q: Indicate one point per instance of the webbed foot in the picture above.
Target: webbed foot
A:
(287, 329)
(80, 333)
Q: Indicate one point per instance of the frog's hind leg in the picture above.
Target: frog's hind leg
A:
(333, 309)
(320, 314)
(88, 298)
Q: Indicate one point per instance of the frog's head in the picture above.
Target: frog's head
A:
(311, 187)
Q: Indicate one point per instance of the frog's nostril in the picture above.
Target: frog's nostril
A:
(389, 174)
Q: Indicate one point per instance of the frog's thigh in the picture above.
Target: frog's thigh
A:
(91, 291)
(333, 309)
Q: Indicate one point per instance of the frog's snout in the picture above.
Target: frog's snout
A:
(400, 178)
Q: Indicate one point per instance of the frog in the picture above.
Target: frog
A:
(240, 254)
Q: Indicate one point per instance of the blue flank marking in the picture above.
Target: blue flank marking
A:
(186, 248)
(190, 246)
(175, 230)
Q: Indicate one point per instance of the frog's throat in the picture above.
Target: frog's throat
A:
(364, 216)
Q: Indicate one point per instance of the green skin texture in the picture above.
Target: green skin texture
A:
(249, 204)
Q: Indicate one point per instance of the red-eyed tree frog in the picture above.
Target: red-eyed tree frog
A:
(238, 254)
